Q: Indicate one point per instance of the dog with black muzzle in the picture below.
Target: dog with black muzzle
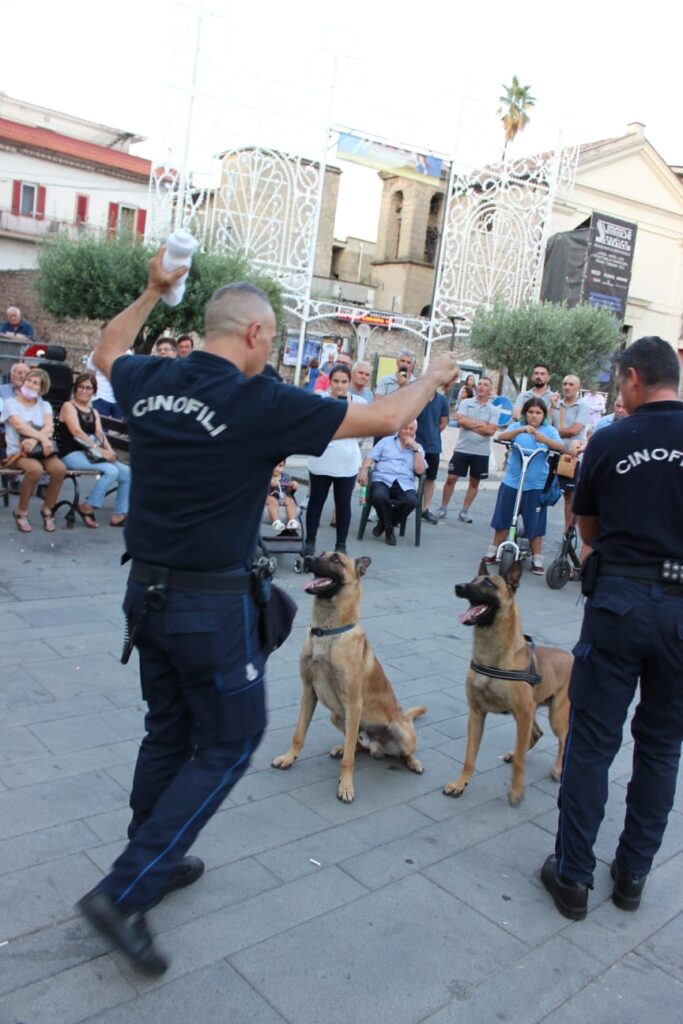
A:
(509, 675)
(339, 668)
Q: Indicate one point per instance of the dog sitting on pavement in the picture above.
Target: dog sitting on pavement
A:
(339, 668)
(509, 675)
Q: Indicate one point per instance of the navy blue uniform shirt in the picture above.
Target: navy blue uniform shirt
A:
(203, 443)
(632, 480)
(428, 433)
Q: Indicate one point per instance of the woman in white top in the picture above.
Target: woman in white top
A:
(28, 431)
(337, 467)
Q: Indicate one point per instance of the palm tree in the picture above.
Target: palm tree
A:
(513, 109)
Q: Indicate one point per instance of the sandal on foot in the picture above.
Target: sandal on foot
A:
(88, 517)
(48, 520)
(119, 522)
(22, 521)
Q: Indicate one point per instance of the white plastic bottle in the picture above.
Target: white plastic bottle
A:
(179, 249)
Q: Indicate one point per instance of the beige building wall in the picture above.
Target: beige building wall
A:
(323, 250)
(403, 286)
(628, 179)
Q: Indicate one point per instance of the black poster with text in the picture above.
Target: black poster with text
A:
(608, 263)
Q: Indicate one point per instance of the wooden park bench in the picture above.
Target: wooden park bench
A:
(70, 505)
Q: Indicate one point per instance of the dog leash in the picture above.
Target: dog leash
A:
(316, 631)
(528, 675)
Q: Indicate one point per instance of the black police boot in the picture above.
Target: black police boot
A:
(571, 898)
(129, 933)
(628, 889)
(390, 538)
(377, 530)
(187, 871)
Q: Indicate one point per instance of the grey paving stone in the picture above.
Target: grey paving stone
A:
(609, 933)
(413, 948)
(49, 844)
(43, 769)
(47, 952)
(630, 992)
(433, 843)
(378, 784)
(217, 935)
(19, 689)
(102, 729)
(70, 997)
(500, 879)
(38, 896)
(59, 614)
(19, 744)
(82, 643)
(111, 826)
(338, 843)
(212, 995)
(74, 677)
(52, 710)
(29, 649)
(52, 589)
(665, 948)
(525, 990)
(52, 803)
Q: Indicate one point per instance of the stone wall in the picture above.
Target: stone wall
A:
(17, 288)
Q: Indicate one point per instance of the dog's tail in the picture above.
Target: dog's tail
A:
(416, 712)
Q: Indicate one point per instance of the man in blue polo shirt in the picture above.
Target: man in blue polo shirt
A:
(202, 448)
(627, 499)
(431, 423)
(15, 325)
(396, 460)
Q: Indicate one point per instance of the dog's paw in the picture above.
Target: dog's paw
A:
(283, 761)
(415, 765)
(508, 757)
(336, 752)
(556, 775)
(515, 796)
(346, 792)
(456, 788)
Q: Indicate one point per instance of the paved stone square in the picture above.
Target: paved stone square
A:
(406, 906)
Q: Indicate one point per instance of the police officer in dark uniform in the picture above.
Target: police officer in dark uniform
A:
(628, 500)
(205, 433)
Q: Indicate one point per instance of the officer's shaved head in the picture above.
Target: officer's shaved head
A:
(234, 306)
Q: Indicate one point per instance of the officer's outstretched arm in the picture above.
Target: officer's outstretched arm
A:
(120, 333)
(386, 415)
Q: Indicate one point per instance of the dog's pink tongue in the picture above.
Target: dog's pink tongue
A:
(472, 612)
(317, 581)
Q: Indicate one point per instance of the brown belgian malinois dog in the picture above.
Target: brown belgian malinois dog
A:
(338, 667)
(509, 676)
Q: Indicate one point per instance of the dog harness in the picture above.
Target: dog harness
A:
(527, 675)
(316, 631)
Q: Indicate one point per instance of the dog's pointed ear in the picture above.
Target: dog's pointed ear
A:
(513, 576)
(415, 712)
(362, 565)
(483, 569)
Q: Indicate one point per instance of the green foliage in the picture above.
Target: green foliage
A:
(577, 340)
(95, 278)
(512, 110)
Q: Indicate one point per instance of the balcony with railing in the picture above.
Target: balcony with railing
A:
(29, 228)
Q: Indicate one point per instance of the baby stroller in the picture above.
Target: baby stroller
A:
(271, 544)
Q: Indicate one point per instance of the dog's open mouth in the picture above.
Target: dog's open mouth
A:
(323, 586)
(473, 613)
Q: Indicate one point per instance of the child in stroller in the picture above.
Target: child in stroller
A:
(281, 496)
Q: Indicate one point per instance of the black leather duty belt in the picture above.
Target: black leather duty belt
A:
(236, 581)
(664, 574)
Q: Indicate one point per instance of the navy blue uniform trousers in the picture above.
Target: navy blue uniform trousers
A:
(202, 675)
(631, 630)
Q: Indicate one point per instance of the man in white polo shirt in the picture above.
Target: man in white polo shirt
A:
(570, 415)
(478, 421)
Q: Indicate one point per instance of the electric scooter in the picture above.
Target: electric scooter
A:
(516, 547)
(566, 565)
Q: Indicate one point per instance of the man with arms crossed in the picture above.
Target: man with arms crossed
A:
(478, 421)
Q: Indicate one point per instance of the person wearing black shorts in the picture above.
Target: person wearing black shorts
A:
(431, 422)
(478, 421)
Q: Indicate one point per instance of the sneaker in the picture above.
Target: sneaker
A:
(491, 553)
(309, 548)
(441, 512)
(278, 526)
(340, 548)
(294, 524)
(537, 566)
(429, 517)
(464, 516)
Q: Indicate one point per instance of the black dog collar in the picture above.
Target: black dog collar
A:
(316, 631)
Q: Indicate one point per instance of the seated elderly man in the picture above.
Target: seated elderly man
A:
(396, 460)
(17, 376)
(15, 325)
